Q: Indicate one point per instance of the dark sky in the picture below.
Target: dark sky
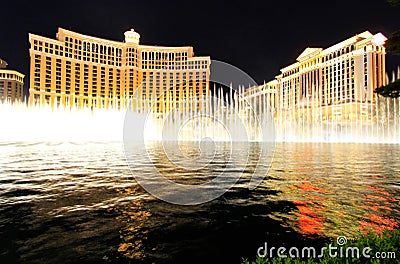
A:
(259, 37)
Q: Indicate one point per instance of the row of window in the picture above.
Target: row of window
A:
(336, 81)
(109, 55)
(328, 58)
(58, 64)
(10, 76)
(8, 90)
(87, 101)
(90, 77)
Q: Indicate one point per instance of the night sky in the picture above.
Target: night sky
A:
(259, 37)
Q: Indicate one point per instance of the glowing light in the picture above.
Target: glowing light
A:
(379, 39)
(22, 123)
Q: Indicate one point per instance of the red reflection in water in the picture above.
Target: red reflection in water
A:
(379, 202)
(310, 221)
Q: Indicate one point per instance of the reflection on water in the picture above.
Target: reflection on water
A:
(80, 202)
(132, 233)
(338, 189)
(381, 214)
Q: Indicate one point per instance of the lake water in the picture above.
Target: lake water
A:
(80, 203)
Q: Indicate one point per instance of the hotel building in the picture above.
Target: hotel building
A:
(11, 84)
(263, 96)
(333, 84)
(85, 71)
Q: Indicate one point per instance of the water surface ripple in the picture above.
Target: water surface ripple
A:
(80, 203)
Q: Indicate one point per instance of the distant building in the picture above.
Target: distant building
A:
(267, 93)
(335, 84)
(11, 84)
(85, 71)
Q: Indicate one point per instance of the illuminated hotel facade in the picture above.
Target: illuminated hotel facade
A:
(333, 85)
(11, 84)
(76, 70)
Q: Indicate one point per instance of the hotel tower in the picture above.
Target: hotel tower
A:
(76, 70)
(336, 83)
(11, 84)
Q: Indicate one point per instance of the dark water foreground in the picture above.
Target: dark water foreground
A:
(79, 203)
